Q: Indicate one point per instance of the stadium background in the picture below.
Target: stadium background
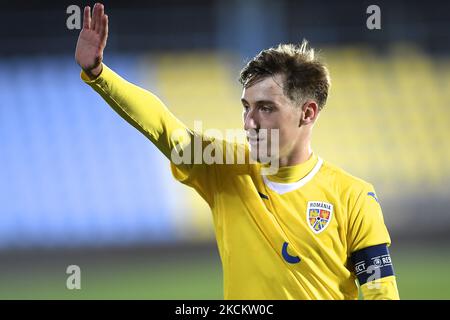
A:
(79, 186)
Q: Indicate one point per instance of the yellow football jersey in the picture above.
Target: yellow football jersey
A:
(290, 235)
(284, 236)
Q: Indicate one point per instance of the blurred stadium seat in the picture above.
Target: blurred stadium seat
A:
(74, 173)
(390, 112)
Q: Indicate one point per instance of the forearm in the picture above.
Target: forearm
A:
(140, 108)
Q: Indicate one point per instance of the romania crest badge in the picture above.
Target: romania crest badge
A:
(318, 215)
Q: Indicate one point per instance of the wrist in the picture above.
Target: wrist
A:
(94, 73)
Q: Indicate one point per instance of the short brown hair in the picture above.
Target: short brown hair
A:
(304, 75)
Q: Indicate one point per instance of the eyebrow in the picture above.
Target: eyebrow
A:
(260, 102)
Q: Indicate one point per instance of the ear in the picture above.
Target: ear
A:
(310, 112)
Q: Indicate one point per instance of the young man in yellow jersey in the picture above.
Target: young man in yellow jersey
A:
(307, 230)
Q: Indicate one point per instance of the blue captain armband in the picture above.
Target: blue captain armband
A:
(372, 263)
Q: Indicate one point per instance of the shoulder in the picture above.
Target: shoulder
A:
(353, 193)
(343, 181)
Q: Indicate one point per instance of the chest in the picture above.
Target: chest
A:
(312, 219)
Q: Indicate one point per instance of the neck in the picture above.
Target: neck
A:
(300, 153)
(295, 170)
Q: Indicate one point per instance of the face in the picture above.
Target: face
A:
(265, 106)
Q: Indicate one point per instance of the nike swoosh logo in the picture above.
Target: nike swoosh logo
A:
(372, 194)
(287, 256)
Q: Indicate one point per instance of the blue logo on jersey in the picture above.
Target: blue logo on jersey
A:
(372, 194)
(287, 256)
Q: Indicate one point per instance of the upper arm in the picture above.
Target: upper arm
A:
(368, 241)
(142, 109)
(201, 177)
(217, 161)
(375, 272)
(366, 225)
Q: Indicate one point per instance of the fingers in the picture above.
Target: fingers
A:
(94, 17)
(99, 21)
(98, 16)
(94, 20)
(104, 27)
(106, 24)
(87, 18)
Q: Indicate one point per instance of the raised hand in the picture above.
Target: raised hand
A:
(92, 40)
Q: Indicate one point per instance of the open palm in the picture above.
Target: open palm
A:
(92, 40)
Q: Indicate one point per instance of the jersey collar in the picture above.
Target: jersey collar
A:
(293, 177)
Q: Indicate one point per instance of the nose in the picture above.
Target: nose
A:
(250, 121)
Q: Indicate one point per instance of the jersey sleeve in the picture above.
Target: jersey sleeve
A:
(142, 109)
(206, 177)
(148, 114)
(366, 225)
(381, 289)
(368, 240)
(200, 175)
(196, 160)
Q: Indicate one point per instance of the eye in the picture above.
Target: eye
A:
(265, 109)
(245, 108)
